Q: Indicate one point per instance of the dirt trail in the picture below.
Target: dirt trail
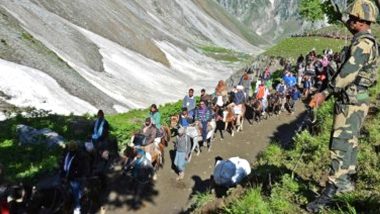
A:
(170, 196)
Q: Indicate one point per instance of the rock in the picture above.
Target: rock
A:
(29, 135)
(80, 128)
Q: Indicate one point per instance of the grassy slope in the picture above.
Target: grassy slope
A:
(296, 172)
(226, 55)
(293, 47)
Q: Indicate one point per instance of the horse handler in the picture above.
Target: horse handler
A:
(183, 149)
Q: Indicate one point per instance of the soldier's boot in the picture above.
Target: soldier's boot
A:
(349, 187)
(324, 199)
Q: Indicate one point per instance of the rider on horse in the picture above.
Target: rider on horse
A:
(149, 130)
(155, 117)
(184, 118)
(142, 173)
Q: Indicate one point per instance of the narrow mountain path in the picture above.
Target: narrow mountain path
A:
(171, 196)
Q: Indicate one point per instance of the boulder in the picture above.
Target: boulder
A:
(29, 135)
(80, 128)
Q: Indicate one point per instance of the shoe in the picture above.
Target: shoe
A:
(349, 187)
(323, 200)
(181, 175)
(76, 210)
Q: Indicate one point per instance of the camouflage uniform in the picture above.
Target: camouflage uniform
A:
(350, 87)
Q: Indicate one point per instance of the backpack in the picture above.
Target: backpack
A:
(281, 89)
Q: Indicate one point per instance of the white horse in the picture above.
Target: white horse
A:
(194, 132)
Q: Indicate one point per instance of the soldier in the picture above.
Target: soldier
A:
(350, 88)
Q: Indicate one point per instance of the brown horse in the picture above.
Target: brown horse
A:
(233, 116)
(165, 139)
(257, 106)
(274, 104)
(155, 150)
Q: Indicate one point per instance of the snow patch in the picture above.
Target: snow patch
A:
(120, 109)
(2, 116)
(31, 87)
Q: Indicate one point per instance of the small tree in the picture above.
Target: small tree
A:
(311, 10)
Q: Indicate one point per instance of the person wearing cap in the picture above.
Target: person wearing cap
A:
(183, 149)
(350, 88)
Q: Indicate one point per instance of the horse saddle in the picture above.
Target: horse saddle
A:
(160, 133)
(237, 109)
(140, 140)
(49, 182)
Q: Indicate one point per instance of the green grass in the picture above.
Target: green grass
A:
(293, 47)
(27, 36)
(28, 162)
(297, 171)
(200, 199)
(252, 202)
(223, 54)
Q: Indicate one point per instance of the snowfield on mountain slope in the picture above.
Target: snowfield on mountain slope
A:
(142, 81)
(31, 87)
(113, 55)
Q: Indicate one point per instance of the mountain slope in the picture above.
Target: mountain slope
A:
(272, 19)
(118, 55)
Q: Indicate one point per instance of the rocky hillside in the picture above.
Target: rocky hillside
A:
(272, 19)
(77, 56)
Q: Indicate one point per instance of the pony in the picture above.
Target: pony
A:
(257, 106)
(194, 132)
(155, 150)
(274, 104)
(233, 116)
(218, 117)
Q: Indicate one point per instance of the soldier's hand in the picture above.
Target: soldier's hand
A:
(317, 100)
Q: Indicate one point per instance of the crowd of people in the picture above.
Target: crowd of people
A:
(310, 73)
